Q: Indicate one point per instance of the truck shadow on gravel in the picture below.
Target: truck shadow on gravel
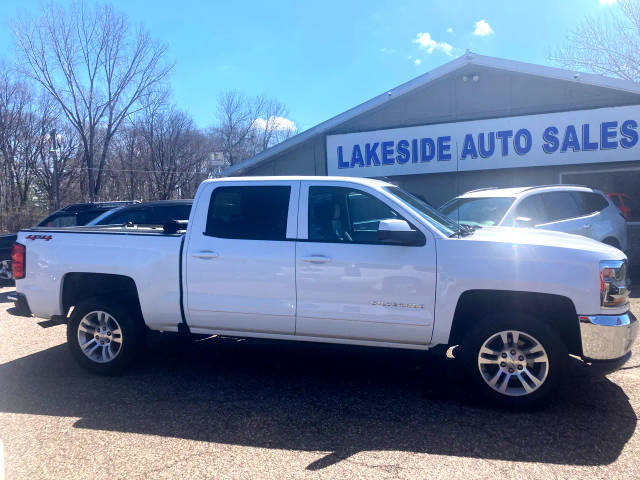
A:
(329, 398)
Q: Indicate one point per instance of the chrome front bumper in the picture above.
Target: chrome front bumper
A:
(607, 337)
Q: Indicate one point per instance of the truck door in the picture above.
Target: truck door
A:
(351, 285)
(240, 258)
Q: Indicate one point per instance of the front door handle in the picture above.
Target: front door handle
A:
(205, 254)
(317, 259)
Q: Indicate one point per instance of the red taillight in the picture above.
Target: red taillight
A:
(18, 261)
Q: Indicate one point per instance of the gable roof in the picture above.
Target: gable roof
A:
(468, 58)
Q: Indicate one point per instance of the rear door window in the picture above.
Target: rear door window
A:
(161, 214)
(532, 207)
(560, 206)
(589, 202)
(596, 201)
(249, 212)
(133, 215)
(62, 220)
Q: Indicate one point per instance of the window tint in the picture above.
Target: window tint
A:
(133, 215)
(62, 220)
(532, 207)
(589, 202)
(160, 215)
(341, 214)
(85, 217)
(560, 206)
(478, 211)
(595, 202)
(250, 212)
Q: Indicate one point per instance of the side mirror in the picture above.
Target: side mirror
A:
(399, 232)
(524, 222)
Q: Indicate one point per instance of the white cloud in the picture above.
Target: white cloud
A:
(483, 29)
(449, 30)
(425, 41)
(388, 51)
(608, 2)
(417, 61)
(274, 123)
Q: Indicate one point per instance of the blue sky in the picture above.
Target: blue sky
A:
(322, 57)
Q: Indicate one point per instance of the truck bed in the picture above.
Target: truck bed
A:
(147, 255)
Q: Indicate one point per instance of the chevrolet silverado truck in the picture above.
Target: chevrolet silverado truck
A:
(329, 259)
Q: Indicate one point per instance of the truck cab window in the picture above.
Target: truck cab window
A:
(340, 214)
(249, 212)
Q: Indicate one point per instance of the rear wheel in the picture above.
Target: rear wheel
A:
(514, 362)
(612, 242)
(5, 270)
(104, 337)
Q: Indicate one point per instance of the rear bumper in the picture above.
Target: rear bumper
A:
(607, 337)
(21, 304)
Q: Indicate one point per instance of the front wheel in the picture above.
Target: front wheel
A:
(514, 363)
(104, 337)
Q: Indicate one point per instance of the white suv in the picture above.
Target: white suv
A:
(563, 208)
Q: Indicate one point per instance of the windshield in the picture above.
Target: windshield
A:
(480, 211)
(435, 218)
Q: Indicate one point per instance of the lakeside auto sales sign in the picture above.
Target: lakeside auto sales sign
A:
(584, 136)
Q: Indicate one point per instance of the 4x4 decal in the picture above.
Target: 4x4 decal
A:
(39, 237)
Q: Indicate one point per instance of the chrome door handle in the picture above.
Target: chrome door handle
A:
(316, 259)
(588, 227)
(205, 254)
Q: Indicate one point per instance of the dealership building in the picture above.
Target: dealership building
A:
(478, 122)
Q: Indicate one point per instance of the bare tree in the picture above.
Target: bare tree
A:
(608, 45)
(236, 115)
(97, 67)
(128, 165)
(272, 126)
(249, 125)
(57, 168)
(20, 128)
(174, 149)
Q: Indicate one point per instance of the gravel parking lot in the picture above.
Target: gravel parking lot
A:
(228, 408)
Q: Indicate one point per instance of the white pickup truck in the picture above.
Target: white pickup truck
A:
(353, 261)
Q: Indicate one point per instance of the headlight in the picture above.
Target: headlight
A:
(614, 285)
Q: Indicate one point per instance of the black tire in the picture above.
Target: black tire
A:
(489, 326)
(131, 326)
(612, 242)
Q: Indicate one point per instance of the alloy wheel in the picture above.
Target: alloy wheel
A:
(100, 336)
(5, 270)
(513, 363)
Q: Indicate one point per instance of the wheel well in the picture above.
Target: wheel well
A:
(612, 241)
(77, 287)
(555, 310)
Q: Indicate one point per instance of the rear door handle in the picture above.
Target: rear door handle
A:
(205, 254)
(317, 259)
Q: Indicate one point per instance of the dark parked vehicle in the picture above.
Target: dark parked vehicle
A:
(73, 215)
(147, 213)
